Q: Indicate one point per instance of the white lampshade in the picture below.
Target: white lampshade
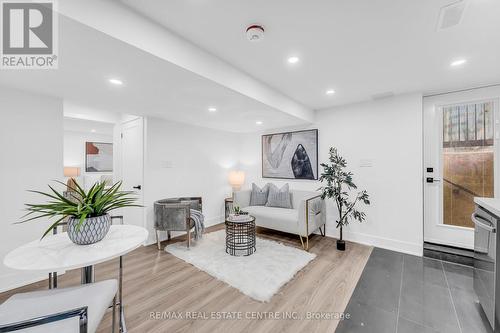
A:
(71, 171)
(236, 179)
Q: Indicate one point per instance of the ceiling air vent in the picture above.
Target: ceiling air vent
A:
(451, 15)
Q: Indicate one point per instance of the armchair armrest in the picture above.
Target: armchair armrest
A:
(242, 198)
(82, 313)
(312, 212)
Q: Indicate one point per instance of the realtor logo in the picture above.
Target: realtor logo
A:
(29, 34)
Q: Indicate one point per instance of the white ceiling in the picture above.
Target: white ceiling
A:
(360, 48)
(152, 86)
(88, 126)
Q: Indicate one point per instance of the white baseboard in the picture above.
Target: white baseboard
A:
(382, 242)
(214, 220)
(366, 239)
(385, 243)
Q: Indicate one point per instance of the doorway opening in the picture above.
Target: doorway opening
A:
(106, 147)
(88, 151)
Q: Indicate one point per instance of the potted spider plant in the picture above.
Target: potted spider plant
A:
(86, 212)
(338, 185)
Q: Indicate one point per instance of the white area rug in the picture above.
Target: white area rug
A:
(259, 275)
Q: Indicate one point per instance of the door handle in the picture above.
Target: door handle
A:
(480, 224)
(138, 187)
(432, 180)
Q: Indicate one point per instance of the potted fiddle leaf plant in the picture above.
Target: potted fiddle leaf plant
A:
(338, 187)
(86, 212)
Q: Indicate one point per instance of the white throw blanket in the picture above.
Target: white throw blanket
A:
(199, 225)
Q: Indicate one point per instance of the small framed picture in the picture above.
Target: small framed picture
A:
(98, 157)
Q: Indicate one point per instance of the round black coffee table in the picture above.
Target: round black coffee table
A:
(240, 236)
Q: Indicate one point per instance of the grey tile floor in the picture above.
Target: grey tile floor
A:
(403, 293)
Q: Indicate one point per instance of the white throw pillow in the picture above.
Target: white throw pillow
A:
(258, 197)
(279, 197)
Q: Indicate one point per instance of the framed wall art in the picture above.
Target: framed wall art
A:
(98, 157)
(290, 155)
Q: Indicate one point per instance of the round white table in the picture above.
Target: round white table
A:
(57, 253)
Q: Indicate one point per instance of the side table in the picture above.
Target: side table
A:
(240, 236)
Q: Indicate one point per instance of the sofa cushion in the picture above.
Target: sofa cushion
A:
(279, 197)
(258, 197)
(275, 218)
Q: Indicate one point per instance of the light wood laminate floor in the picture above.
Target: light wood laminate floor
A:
(156, 281)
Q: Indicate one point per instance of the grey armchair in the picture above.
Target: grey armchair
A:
(174, 214)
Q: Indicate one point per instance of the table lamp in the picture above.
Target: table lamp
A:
(236, 179)
(71, 172)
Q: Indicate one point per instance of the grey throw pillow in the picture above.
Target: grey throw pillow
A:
(258, 197)
(279, 197)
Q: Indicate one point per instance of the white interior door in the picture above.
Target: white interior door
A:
(460, 162)
(132, 167)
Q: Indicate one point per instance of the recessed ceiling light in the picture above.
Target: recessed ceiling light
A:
(330, 92)
(116, 82)
(458, 62)
(258, 122)
(212, 109)
(93, 130)
(293, 60)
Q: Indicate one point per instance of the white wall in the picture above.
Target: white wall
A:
(387, 132)
(31, 137)
(74, 154)
(183, 160)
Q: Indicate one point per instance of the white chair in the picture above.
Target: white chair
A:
(67, 310)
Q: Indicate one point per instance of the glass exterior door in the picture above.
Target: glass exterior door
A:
(460, 161)
(468, 159)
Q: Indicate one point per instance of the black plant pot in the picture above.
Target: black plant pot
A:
(341, 245)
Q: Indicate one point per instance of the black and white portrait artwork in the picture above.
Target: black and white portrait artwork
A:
(290, 155)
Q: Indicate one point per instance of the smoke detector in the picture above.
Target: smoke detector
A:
(255, 33)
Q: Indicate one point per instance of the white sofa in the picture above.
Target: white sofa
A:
(295, 220)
